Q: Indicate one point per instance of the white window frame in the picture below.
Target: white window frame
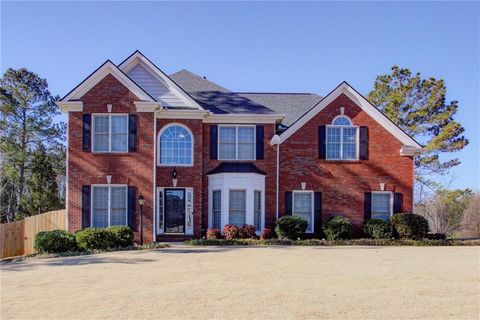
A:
(236, 126)
(311, 230)
(391, 201)
(341, 127)
(219, 211)
(245, 191)
(259, 227)
(109, 186)
(159, 146)
(94, 115)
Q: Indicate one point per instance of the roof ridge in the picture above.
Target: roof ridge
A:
(251, 92)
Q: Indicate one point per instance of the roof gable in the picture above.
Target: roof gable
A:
(95, 77)
(360, 101)
(157, 83)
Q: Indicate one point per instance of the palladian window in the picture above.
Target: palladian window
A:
(342, 141)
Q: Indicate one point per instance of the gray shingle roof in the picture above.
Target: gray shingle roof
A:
(222, 101)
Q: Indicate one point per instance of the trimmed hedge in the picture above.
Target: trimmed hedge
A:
(231, 231)
(92, 239)
(378, 229)
(409, 226)
(213, 233)
(55, 241)
(338, 228)
(248, 231)
(119, 236)
(291, 227)
(317, 242)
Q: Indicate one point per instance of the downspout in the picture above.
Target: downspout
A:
(276, 142)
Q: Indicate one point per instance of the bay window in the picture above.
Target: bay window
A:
(237, 206)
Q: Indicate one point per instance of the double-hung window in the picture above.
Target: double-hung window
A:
(217, 209)
(257, 209)
(303, 207)
(109, 206)
(110, 133)
(342, 141)
(236, 142)
(382, 205)
(237, 207)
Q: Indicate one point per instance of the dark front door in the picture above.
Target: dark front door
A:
(174, 210)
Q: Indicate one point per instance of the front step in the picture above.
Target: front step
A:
(173, 237)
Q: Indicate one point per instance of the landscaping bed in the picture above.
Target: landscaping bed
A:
(318, 242)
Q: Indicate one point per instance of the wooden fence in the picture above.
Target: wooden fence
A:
(17, 238)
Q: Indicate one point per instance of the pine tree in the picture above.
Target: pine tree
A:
(419, 107)
(42, 186)
(27, 112)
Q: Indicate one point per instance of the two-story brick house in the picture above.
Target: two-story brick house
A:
(203, 156)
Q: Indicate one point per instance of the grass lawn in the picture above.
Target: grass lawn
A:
(183, 282)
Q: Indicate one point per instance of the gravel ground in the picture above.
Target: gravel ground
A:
(248, 283)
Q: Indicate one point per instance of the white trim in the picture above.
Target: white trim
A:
(107, 68)
(236, 141)
(109, 115)
(360, 101)
(147, 106)
(138, 58)
(182, 114)
(156, 227)
(243, 118)
(154, 210)
(109, 186)
(67, 202)
(189, 214)
(357, 143)
(70, 106)
(159, 147)
(410, 151)
(391, 201)
(312, 193)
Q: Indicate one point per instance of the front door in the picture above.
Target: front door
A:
(174, 210)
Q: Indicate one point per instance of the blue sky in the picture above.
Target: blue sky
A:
(287, 46)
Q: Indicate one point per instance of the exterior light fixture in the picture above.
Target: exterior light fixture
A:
(141, 202)
(174, 177)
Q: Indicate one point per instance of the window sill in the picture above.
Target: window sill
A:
(341, 161)
(111, 153)
(174, 165)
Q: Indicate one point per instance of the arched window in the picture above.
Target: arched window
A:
(342, 142)
(341, 121)
(176, 146)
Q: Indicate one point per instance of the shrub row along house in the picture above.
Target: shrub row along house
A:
(203, 156)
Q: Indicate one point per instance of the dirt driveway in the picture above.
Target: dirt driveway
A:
(248, 283)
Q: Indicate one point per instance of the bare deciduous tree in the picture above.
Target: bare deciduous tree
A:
(471, 218)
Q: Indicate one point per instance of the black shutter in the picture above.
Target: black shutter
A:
(397, 202)
(317, 211)
(322, 143)
(259, 142)
(87, 132)
(363, 143)
(132, 206)
(288, 203)
(367, 205)
(85, 207)
(132, 133)
(213, 142)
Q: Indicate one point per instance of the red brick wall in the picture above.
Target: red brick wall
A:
(134, 169)
(268, 164)
(343, 183)
(187, 177)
